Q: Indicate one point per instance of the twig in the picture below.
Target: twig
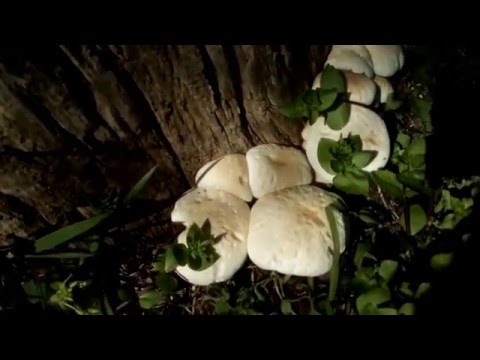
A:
(384, 202)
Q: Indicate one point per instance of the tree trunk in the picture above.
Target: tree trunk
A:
(76, 121)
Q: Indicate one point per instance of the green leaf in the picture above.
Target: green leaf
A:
(139, 186)
(405, 289)
(180, 252)
(362, 250)
(364, 279)
(422, 289)
(93, 247)
(418, 219)
(326, 98)
(386, 311)
(193, 235)
(352, 182)
(222, 307)
(403, 140)
(375, 297)
(407, 309)
(35, 291)
(367, 217)
(418, 146)
(68, 233)
(166, 283)
(422, 108)
(392, 103)
(387, 270)
(150, 299)
(107, 306)
(388, 182)
(324, 154)
(194, 262)
(338, 117)
(442, 261)
(286, 307)
(170, 260)
(333, 79)
(356, 142)
(363, 158)
(412, 180)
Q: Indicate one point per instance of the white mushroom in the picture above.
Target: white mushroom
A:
(290, 233)
(229, 216)
(384, 88)
(387, 59)
(354, 58)
(273, 167)
(362, 89)
(363, 122)
(228, 173)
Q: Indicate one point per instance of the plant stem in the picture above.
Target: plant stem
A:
(336, 254)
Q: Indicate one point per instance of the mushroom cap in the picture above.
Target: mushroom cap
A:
(273, 167)
(228, 173)
(362, 89)
(387, 59)
(363, 122)
(290, 233)
(229, 216)
(354, 58)
(384, 88)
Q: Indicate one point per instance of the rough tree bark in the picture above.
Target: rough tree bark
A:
(78, 120)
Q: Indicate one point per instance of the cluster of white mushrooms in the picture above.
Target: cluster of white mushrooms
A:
(286, 229)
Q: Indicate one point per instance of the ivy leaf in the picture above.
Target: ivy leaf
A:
(338, 117)
(333, 79)
(324, 154)
(166, 283)
(326, 98)
(375, 297)
(352, 182)
(418, 219)
(363, 158)
(387, 270)
(388, 182)
(407, 309)
(296, 109)
(150, 298)
(392, 104)
(442, 261)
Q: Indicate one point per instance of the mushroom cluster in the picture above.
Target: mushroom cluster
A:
(263, 204)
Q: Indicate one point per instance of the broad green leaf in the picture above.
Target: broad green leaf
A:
(418, 146)
(363, 158)
(365, 279)
(334, 275)
(313, 115)
(367, 217)
(324, 154)
(136, 190)
(338, 117)
(405, 289)
(170, 260)
(362, 250)
(387, 270)
(407, 309)
(388, 182)
(194, 262)
(333, 79)
(35, 291)
(326, 98)
(418, 219)
(67, 255)
(356, 142)
(392, 103)
(193, 235)
(422, 289)
(166, 283)
(411, 180)
(286, 307)
(375, 297)
(68, 233)
(222, 307)
(403, 140)
(180, 252)
(352, 182)
(441, 261)
(150, 299)
(386, 311)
